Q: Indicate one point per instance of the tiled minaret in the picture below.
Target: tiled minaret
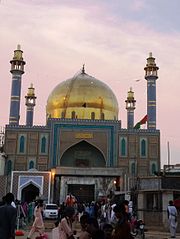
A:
(130, 106)
(151, 75)
(30, 103)
(17, 69)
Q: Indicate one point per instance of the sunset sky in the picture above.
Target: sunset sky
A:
(112, 38)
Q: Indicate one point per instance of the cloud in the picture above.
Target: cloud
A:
(138, 5)
(58, 38)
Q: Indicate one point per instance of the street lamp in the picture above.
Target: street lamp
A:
(52, 184)
(117, 183)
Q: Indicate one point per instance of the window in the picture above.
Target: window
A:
(143, 148)
(63, 115)
(51, 206)
(43, 145)
(102, 116)
(9, 167)
(133, 168)
(73, 114)
(22, 144)
(31, 164)
(123, 146)
(92, 115)
(153, 168)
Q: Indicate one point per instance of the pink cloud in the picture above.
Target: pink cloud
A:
(138, 5)
(58, 39)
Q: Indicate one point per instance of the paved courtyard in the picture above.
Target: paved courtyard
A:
(148, 235)
(49, 224)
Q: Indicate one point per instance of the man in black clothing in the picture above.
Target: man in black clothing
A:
(8, 218)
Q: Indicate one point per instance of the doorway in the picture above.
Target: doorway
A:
(29, 193)
(83, 193)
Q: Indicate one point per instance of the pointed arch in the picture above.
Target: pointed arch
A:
(73, 115)
(123, 147)
(22, 144)
(143, 148)
(82, 154)
(102, 116)
(29, 193)
(43, 144)
(24, 181)
(31, 164)
(93, 115)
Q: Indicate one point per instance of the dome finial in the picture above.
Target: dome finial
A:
(83, 69)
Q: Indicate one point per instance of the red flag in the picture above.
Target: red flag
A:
(144, 120)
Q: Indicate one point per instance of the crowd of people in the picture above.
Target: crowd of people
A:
(98, 220)
(104, 220)
(94, 221)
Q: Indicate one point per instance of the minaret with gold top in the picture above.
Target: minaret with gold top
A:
(151, 75)
(130, 106)
(30, 103)
(17, 69)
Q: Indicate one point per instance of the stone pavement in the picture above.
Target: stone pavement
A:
(34, 236)
(149, 234)
(159, 235)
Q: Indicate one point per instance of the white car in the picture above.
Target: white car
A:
(51, 211)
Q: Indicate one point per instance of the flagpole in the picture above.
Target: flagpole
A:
(168, 154)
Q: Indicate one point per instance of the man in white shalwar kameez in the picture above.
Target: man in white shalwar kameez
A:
(172, 218)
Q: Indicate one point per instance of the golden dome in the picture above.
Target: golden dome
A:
(82, 97)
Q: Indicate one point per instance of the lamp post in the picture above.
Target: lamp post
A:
(117, 183)
(52, 185)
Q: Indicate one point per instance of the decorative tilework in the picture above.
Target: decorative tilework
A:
(37, 179)
(21, 179)
(2, 186)
(56, 133)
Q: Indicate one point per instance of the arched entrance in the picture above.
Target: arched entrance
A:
(83, 155)
(29, 193)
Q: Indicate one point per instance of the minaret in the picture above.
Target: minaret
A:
(30, 103)
(151, 76)
(130, 106)
(17, 69)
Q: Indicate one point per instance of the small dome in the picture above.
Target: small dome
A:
(82, 97)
